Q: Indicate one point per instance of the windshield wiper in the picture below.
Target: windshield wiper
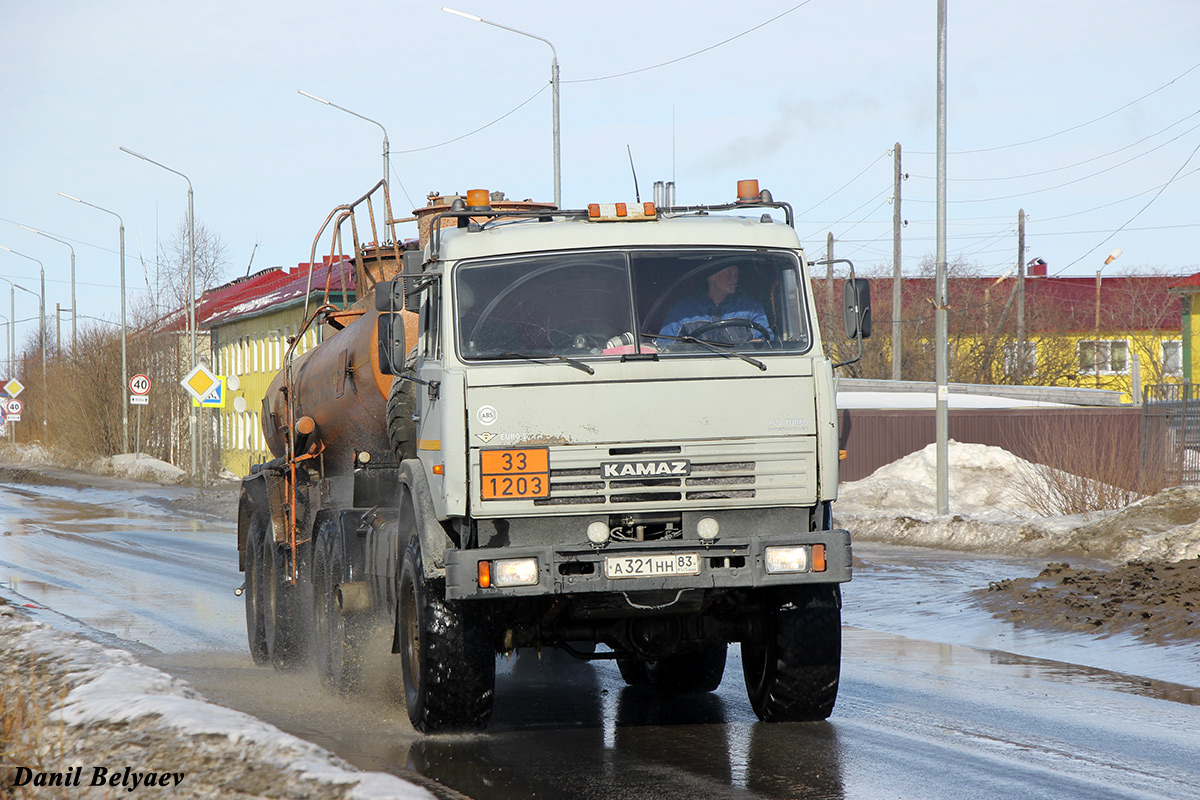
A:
(714, 347)
(539, 360)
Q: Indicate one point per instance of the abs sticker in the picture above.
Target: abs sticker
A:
(486, 415)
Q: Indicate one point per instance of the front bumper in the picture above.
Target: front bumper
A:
(726, 564)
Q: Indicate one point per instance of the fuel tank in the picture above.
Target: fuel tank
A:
(339, 385)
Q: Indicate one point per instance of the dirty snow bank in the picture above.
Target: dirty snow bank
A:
(131, 466)
(110, 711)
(989, 512)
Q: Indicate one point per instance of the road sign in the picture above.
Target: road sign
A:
(215, 397)
(139, 384)
(13, 407)
(201, 382)
(139, 400)
(14, 387)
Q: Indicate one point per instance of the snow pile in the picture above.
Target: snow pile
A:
(985, 482)
(114, 706)
(1165, 526)
(141, 467)
(988, 512)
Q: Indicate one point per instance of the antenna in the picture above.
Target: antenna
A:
(636, 194)
(251, 263)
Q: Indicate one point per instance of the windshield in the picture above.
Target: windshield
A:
(581, 305)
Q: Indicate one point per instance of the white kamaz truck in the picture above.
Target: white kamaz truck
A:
(614, 434)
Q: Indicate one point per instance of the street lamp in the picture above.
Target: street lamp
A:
(553, 88)
(42, 325)
(1113, 256)
(74, 307)
(386, 172)
(124, 330)
(191, 292)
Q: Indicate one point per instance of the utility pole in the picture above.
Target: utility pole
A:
(896, 285)
(1022, 367)
(941, 376)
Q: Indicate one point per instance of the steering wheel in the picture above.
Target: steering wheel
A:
(733, 322)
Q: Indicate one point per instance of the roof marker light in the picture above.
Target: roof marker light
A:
(747, 191)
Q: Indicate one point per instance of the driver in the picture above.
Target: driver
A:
(721, 301)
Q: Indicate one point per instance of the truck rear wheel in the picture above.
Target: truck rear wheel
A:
(448, 664)
(253, 592)
(283, 623)
(337, 637)
(689, 673)
(792, 671)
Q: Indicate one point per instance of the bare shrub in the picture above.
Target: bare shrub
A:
(1081, 466)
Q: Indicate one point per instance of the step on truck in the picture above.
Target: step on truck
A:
(610, 431)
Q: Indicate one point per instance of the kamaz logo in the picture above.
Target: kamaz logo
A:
(645, 469)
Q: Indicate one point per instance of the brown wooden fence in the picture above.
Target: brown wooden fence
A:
(1087, 441)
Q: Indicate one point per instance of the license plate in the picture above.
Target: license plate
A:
(651, 566)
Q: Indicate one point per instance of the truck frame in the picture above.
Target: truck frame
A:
(505, 450)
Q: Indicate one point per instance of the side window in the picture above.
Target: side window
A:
(431, 344)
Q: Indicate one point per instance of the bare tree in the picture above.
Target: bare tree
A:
(169, 288)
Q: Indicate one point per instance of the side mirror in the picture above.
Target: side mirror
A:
(390, 333)
(413, 260)
(856, 308)
(386, 297)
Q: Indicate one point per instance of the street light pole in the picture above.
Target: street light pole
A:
(386, 167)
(554, 83)
(191, 294)
(1113, 256)
(941, 369)
(74, 307)
(124, 328)
(42, 325)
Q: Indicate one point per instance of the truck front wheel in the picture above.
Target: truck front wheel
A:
(448, 663)
(792, 669)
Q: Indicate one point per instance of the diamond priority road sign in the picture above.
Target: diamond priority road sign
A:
(202, 384)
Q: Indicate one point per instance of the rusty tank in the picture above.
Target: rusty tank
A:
(339, 386)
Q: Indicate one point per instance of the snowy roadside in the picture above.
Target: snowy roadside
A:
(73, 711)
(1150, 589)
(107, 725)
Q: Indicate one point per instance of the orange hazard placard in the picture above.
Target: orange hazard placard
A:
(514, 474)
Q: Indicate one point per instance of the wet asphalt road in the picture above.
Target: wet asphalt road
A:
(916, 717)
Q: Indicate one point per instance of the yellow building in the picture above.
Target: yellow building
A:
(252, 327)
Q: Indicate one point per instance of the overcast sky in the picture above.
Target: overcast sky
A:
(1078, 111)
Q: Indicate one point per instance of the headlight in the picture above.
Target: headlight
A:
(708, 529)
(515, 572)
(792, 558)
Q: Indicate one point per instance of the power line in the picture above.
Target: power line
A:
(696, 53)
(1073, 127)
(477, 130)
(1108, 238)
(1076, 164)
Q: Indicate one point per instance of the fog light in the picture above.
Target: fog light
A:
(598, 533)
(787, 559)
(515, 572)
(708, 528)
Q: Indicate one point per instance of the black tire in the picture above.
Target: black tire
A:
(283, 609)
(401, 428)
(338, 638)
(689, 673)
(448, 664)
(633, 671)
(253, 592)
(792, 671)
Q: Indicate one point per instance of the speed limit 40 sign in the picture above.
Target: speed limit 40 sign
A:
(140, 386)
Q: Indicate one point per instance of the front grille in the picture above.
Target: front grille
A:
(764, 471)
